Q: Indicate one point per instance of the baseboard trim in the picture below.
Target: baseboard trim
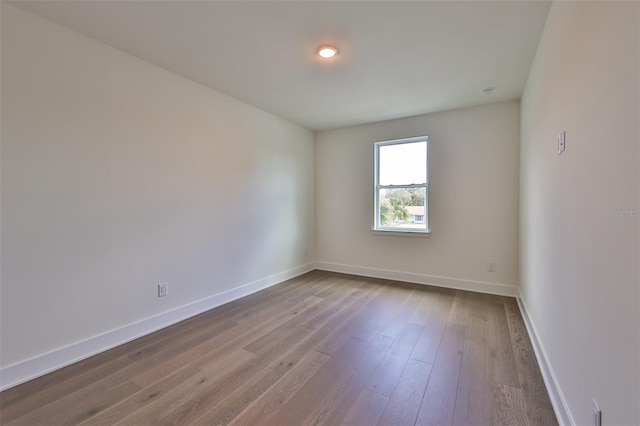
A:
(40, 365)
(455, 283)
(560, 407)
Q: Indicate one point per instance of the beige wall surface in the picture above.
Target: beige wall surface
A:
(579, 227)
(473, 196)
(118, 175)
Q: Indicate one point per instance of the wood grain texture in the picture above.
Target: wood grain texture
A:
(366, 410)
(142, 398)
(473, 402)
(388, 373)
(404, 404)
(282, 391)
(536, 398)
(439, 399)
(323, 348)
(429, 342)
(335, 404)
(509, 406)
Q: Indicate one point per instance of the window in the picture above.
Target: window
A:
(401, 185)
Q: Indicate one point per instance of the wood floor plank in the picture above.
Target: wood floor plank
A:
(116, 378)
(248, 332)
(286, 299)
(404, 404)
(282, 391)
(325, 325)
(316, 316)
(52, 389)
(366, 410)
(537, 403)
(297, 409)
(395, 323)
(281, 338)
(337, 284)
(424, 296)
(178, 343)
(392, 297)
(75, 408)
(333, 406)
(346, 330)
(502, 362)
(439, 400)
(459, 311)
(223, 412)
(473, 398)
(371, 323)
(141, 398)
(388, 373)
(190, 394)
(211, 396)
(509, 406)
(289, 358)
(239, 312)
(322, 348)
(352, 304)
(336, 303)
(191, 411)
(429, 342)
(60, 380)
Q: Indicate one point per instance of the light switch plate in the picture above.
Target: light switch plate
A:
(561, 142)
(597, 414)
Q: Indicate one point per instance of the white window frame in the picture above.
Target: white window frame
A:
(377, 226)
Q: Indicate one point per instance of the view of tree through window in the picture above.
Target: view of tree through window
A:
(401, 185)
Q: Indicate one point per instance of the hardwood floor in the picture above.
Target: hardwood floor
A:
(323, 348)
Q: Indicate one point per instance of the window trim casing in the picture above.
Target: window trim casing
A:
(377, 228)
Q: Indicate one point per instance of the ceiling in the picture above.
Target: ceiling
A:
(396, 58)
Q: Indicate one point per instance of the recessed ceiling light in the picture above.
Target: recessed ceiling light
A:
(327, 51)
(488, 91)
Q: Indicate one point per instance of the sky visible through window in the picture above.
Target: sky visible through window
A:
(403, 164)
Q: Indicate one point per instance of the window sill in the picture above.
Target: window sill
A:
(403, 233)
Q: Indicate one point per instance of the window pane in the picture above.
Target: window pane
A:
(403, 164)
(402, 208)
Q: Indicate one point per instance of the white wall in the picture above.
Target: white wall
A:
(473, 200)
(579, 270)
(118, 175)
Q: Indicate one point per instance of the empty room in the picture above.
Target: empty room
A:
(320, 212)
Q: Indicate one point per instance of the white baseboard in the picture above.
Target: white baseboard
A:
(455, 283)
(23, 371)
(558, 401)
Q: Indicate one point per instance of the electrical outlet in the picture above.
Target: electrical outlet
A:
(597, 414)
(163, 289)
(491, 267)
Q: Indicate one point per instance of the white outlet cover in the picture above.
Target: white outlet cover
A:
(163, 289)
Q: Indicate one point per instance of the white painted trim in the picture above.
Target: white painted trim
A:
(405, 233)
(39, 365)
(455, 283)
(560, 406)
